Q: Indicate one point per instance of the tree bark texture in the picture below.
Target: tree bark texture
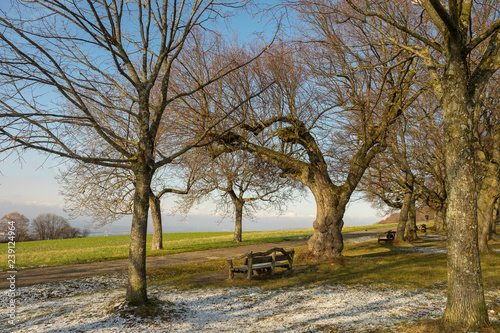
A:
(440, 218)
(496, 217)
(403, 217)
(154, 205)
(137, 287)
(466, 305)
(238, 221)
(327, 241)
(411, 224)
(144, 169)
(487, 197)
(489, 193)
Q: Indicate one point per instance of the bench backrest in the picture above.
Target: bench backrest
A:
(260, 258)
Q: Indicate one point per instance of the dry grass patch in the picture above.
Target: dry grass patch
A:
(363, 263)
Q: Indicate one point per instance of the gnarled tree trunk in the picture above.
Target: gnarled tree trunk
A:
(440, 218)
(496, 217)
(487, 197)
(326, 241)
(403, 217)
(489, 193)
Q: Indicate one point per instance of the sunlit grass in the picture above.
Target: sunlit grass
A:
(91, 249)
(367, 263)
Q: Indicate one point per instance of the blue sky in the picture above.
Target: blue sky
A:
(28, 185)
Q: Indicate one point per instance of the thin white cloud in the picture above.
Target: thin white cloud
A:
(43, 203)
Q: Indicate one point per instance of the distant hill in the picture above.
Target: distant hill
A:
(421, 212)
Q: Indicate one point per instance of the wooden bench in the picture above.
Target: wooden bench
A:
(261, 262)
(422, 227)
(387, 236)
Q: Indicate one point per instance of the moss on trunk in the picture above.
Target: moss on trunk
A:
(466, 305)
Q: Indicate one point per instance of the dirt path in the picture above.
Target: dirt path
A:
(33, 276)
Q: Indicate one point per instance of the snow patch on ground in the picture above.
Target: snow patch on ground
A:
(83, 306)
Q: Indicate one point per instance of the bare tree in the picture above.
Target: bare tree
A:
(106, 194)
(247, 184)
(391, 181)
(412, 168)
(20, 224)
(429, 156)
(51, 226)
(488, 150)
(459, 42)
(328, 115)
(101, 62)
(189, 177)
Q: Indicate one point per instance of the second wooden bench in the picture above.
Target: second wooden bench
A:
(387, 236)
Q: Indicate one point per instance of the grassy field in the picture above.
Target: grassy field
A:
(91, 249)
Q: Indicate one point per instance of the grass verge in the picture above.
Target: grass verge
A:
(363, 263)
(91, 249)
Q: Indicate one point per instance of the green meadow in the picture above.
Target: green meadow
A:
(91, 249)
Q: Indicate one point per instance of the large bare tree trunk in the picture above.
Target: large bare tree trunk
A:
(155, 207)
(137, 287)
(403, 218)
(411, 225)
(440, 218)
(466, 305)
(326, 241)
(489, 193)
(487, 197)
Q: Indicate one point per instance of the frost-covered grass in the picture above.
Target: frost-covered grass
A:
(97, 305)
(309, 309)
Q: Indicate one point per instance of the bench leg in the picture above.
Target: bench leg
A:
(249, 265)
